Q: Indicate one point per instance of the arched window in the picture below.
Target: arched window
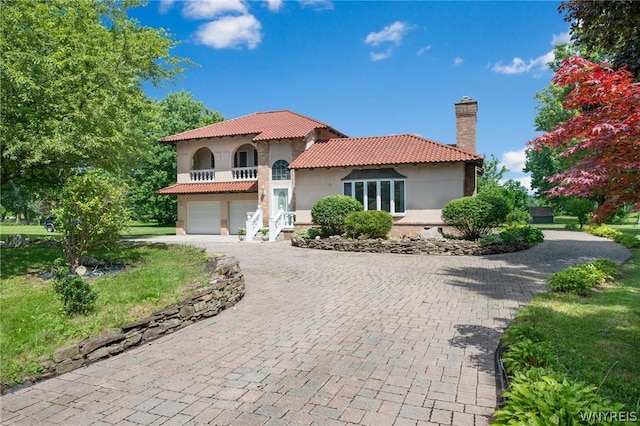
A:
(280, 170)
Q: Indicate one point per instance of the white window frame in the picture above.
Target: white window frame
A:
(392, 195)
(287, 170)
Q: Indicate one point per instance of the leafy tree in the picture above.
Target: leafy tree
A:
(610, 26)
(18, 200)
(71, 89)
(490, 183)
(579, 207)
(176, 113)
(91, 212)
(543, 163)
(602, 140)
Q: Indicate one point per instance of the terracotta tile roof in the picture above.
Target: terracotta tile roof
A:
(209, 188)
(265, 125)
(379, 150)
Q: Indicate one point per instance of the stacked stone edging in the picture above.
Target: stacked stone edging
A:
(409, 246)
(226, 287)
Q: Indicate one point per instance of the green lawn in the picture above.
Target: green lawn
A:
(38, 231)
(32, 324)
(596, 339)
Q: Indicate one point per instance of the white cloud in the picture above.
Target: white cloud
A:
(391, 33)
(520, 66)
(457, 61)
(231, 31)
(514, 160)
(166, 5)
(423, 50)
(274, 5)
(317, 4)
(536, 65)
(380, 56)
(561, 38)
(204, 9)
(525, 181)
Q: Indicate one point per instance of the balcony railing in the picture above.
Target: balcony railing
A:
(203, 175)
(245, 173)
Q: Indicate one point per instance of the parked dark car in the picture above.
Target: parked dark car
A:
(49, 223)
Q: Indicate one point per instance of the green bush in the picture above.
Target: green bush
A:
(603, 231)
(540, 398)
(368, 224)
(310, 233)
(577, 279)
(330, 212)
(522, 234)
(518, 217)
(472, 216)
(76, 294)
(91, 212)
(499, 207)
(607, 267)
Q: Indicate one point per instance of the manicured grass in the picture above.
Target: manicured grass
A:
(596, 338)
(37, 231)
(32, 324)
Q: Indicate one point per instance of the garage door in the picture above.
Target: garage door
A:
(203, 217)
(238, 213)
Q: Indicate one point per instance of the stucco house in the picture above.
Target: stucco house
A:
(269, 168)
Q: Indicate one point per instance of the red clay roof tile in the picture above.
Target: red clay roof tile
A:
(209, 188)
(378, 150)
(265, 125)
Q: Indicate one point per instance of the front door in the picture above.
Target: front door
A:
(280, 201)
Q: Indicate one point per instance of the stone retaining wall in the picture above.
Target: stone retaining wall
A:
(226, 287)
(408, 246)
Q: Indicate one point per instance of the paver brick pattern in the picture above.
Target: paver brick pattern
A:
(321, 338)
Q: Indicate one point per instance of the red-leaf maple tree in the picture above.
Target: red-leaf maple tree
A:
(602, 139)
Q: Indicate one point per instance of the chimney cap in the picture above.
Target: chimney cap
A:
(466, 99)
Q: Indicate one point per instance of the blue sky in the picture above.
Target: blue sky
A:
(370, 68)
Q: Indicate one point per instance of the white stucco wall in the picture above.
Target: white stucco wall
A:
(428, 189)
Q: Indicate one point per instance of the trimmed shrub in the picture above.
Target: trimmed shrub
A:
(499, 207)
(472, 216)
(330, 212)
(76, 294)
(368, 224)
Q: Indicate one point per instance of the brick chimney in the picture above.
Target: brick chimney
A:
(466, 118)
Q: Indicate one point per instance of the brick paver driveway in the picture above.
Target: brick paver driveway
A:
(321, 338)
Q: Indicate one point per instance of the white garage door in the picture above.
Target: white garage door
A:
(203, 217)
(238, 214)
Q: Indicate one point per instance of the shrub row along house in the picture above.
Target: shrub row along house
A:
(269, 168)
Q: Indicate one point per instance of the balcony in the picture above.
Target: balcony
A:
(245, 173)
(203, 175)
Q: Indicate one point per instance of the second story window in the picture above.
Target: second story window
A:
(280, 170)
(242, 158)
